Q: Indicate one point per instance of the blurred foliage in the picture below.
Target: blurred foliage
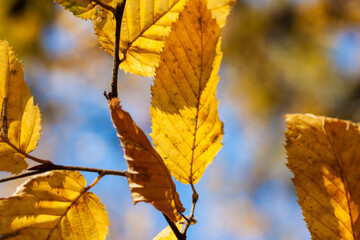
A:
(282, 53)
(22, 22)
(282, 56)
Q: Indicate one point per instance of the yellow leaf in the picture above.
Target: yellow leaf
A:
(145, 25)
(23, 119)
(84, 9)
(220, 9)
(149, 179)
(323, 153)
(186, 128)
(167, 233)
(54, 205)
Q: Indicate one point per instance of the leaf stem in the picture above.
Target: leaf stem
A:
(191, 220)
(96, 180)
(38, 160)
(178, 234)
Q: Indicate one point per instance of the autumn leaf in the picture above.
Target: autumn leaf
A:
(220, 9)
(54, 205)
(167, 233)
(324, 155)
(144, 27)
(149, 179)
(21, 123)
(186, 128)
(84, 9)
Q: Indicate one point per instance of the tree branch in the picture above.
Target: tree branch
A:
(50, 167)
(27, 174)
(9, 235)
(178, 234)
(109, 8)
(118, 14)
(104, 172)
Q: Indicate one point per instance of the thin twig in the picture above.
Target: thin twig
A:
(45, 168)
(8, 235)
(103, 5)
(87, 169)
(118, 14)
(191, 220)
(38, 160)
(27, 174)
(96, 180)
(176, 231)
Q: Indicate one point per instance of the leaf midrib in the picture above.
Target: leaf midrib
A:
(338, 160)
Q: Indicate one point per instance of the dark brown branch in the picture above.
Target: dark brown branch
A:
(109, 8)
(83, 169)
(27, 174)
(178, 234)
(118, 14)
(9, 235)
(49, 167)
(118, 17)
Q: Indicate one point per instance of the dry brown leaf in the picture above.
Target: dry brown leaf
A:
(324, 155)
(149, 179)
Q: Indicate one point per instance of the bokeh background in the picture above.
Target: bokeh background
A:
(280, 56)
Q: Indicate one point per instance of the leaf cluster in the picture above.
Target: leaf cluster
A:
(176, 41)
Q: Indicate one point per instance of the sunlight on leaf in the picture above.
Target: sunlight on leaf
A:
(144, 27)
(54, 205)
(167, 233)
(84, 9)
(220, 9)
(324, 155)
(23, 120)
(186, 128)
(149, 179)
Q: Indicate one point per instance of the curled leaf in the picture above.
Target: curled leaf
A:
(149, 179)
